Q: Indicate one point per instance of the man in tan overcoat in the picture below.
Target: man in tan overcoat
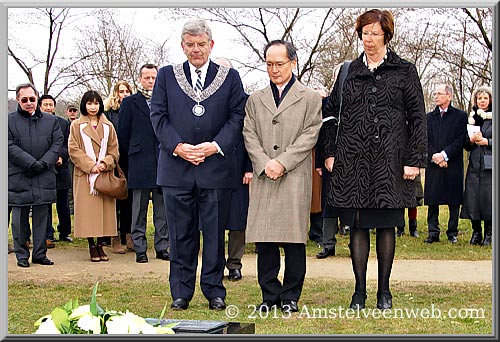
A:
(280, 129)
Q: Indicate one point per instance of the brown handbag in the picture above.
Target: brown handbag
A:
(112, 183)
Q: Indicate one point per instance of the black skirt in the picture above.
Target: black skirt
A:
(369, 218)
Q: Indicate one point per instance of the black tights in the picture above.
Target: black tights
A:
(360, 249)
(92, 242)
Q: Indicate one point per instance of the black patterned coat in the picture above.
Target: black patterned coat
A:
(382, 128)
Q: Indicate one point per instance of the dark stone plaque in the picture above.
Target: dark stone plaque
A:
(206, 327)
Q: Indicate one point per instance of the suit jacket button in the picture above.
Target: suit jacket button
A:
(275, 147)
(274, 122)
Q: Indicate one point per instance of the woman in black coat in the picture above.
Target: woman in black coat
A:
(123, 207)
(377, 151)
(478, 185)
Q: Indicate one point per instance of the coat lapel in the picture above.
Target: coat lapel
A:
(141, 103)
(90, 131)
(295, 94)
(267, 99)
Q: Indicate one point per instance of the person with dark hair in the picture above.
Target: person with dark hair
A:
(112, 104)
(139, 143)
(477, 205)
(93, 148)
(63, 179)
(280, 129)
(34, 145)
(375, 142)
(197, 112)
(444, 177)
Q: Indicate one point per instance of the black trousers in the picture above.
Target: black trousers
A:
(433, 220)
(183, 208)
(268, 266)
(21, 234)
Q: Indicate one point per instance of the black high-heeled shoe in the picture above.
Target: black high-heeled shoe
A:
(384, 300)
(358, 300)
(94, 255)
(102, 255)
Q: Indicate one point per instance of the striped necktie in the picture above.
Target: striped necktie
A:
(198, 87)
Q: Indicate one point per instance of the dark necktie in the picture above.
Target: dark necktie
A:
(198, 87)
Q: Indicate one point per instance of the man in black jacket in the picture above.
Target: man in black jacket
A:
(63, 177)
(35, 141)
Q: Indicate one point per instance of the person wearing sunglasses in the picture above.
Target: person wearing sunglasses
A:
(35, 140)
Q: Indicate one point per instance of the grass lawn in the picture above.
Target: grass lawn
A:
(322, 313)
(320, 304)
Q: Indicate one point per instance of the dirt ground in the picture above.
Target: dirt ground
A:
(74, 263)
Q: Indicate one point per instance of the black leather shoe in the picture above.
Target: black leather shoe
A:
(42, 261)
(476, 238)
(384, 300)
(289, 306)
(358, 300)
(400, 232)
(414, 233)
(216, 303)
(180, 304)
(431, 239)
(266, 306)
(23, 263)
(163, 255)
(65, 239)
(453, 239)
(141, 258)
(234, 275)
(326, 252)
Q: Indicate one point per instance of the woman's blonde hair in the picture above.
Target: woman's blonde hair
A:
(113, 100)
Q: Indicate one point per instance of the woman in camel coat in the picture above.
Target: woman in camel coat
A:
(95, 214)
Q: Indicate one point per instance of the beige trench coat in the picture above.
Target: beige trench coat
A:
(279, 210)
(95, 216)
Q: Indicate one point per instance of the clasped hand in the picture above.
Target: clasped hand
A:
(274, 169)
(410, 172)
(98, 168)
(478, 139)
(195, 154)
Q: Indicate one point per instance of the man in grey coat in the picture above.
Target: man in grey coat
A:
(35, 139)
(280, 129)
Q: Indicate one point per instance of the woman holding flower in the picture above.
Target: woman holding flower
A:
(478, 185)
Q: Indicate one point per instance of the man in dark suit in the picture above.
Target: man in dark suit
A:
(63, 179)
(137, 139)
(444, 177)
(197, 112)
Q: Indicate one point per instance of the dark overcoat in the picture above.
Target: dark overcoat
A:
(382, 129)
(174, 123)
(447, 133)
(478, 194)
(32, 138)
(138, 141)
(63, 176)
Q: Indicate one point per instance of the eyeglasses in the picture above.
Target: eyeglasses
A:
(438, 94)
(371, 34)
(278, 65)
(26, 99)
(72, 110)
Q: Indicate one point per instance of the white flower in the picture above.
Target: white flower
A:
(47, 327)
(129, 323)
(79, 312)
(88, 322)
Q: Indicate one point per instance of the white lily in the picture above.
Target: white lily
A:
(47, 327)
(79, 312)
(88, 322)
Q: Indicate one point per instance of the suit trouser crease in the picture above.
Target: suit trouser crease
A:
(235, 249)
(268, 265)
(184, 207)
(140, 203)
(433, 220)
(20, 230)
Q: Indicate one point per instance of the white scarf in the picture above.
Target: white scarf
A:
(89, 150)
